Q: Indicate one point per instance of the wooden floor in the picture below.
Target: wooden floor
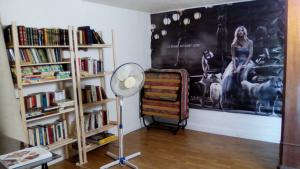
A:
(186, 150)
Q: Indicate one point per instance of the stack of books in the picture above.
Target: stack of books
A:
(48, 133)
(90, 66)
(88, 36)
(101, 138)
(91, 93)
(36, 36)
(95, 119)
(43, 101)
(39, 101)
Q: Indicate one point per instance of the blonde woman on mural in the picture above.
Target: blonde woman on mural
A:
(241, 49)
(237, 70)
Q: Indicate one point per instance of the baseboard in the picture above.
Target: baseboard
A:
(284, 167)
(232, 133)
(131, 129)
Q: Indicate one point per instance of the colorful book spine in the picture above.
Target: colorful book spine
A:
(47, 134)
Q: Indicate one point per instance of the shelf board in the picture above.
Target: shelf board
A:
(41, 64)
(61, 143)
(52, 114)
(98, 103)
(44, 46)
(95, 46)
(46, 81)
(96, 75)
(100, 130)
(93, 146)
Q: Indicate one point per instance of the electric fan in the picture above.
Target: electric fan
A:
(126, 81)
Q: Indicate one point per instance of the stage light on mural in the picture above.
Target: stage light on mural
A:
(167, 21)
(176, 17)
(156, 36)
(163, 32)
(197, 15)
(153, 27)
(186, 21)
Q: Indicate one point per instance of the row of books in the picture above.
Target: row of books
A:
(94, 119)
(91, 93)
(33, 55)
(41, 73)
(48, 133)
(101, 138)
(90, 66)
(43, 100)
(36, 36)
(45, 69)
(88, 36)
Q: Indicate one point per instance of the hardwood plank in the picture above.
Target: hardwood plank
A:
(187, 150)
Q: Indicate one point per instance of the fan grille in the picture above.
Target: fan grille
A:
(127, 79)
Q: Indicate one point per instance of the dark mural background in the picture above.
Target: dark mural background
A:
(200, 39)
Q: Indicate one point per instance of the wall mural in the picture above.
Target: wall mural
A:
(234, 54)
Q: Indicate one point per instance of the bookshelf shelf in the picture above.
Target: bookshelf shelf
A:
(51, 114)
(100, 130)
(93, 146)
(96, 46)
(61, 143)
(36, 46)
(97, 75)
(46, 81)
(42, 64)
(93, 104)
(46, 46)
(23, 49)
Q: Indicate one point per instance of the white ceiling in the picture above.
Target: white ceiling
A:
(156, 6)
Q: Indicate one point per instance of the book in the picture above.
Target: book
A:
(91, 93)
(89, 66)
(88, 36)
(94, 119)
(24, 157)
(102, 138)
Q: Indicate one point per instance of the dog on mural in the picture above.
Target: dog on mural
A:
(204, 87)
(266, 93)
(216, 94)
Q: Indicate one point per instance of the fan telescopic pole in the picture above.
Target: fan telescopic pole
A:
(120, 159)
(126, 81)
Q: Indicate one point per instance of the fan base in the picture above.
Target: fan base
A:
(121, 160)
